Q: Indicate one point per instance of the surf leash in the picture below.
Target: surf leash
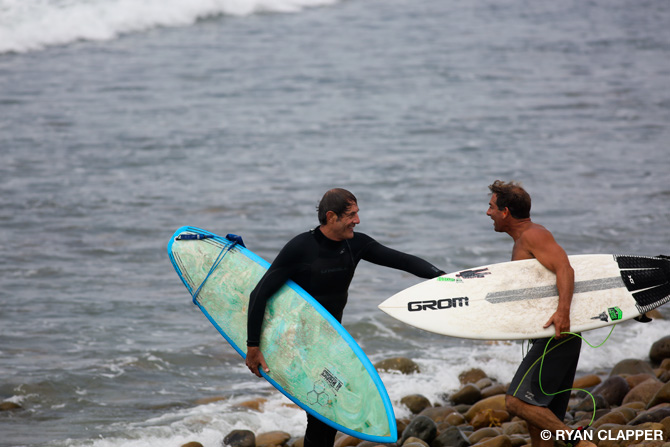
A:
(574, 439)
(232, 238)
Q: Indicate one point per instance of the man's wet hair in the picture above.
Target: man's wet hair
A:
(512, 196)
(337, 200)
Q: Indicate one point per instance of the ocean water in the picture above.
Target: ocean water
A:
(121, 121)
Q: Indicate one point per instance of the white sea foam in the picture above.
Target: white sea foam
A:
(629, 340)
(28, 25)
(207, 424)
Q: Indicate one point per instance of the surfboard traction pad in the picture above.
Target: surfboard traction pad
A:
(335, 386)
(647, 278)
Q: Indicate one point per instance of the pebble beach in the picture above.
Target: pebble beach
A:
(632, 409)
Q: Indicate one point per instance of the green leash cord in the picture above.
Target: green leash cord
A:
(570, 389)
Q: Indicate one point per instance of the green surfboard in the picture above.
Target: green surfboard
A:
(312, 359)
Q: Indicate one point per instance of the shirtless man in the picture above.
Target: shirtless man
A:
(509, 208)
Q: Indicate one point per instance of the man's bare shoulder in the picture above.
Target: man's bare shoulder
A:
(533, 237)
(534, 232)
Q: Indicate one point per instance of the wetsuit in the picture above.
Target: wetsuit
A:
(325, 268)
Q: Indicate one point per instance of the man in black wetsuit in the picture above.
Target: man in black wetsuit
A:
(322, 261)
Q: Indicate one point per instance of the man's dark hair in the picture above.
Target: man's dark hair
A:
(513, 197)
(337, 200)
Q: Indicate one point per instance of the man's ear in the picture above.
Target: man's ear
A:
(331, 217)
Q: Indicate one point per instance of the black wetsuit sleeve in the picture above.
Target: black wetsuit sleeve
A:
(388, 257)
(279, 272)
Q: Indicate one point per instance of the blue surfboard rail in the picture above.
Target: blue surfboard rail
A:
(234, 245)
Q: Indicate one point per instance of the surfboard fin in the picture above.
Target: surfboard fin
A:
(643, 318)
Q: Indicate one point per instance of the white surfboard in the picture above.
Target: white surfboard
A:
(513, 300)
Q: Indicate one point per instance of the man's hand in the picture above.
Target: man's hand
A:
(561, 322)
(255, 359)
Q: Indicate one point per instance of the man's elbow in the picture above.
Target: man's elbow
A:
(566, 271)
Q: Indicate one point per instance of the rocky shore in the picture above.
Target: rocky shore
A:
(632, 410)
(632, 404)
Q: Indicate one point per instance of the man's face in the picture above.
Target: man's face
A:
(343, 227)
(495, 214)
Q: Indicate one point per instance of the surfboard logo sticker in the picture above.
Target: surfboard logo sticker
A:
(447, 279)
(615, 313)
(332, 380)
(445, 303)
(470, 274)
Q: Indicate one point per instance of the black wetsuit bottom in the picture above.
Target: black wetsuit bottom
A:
(318, 434)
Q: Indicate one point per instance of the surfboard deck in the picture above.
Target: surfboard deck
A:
(313, 360)
(513, 300)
